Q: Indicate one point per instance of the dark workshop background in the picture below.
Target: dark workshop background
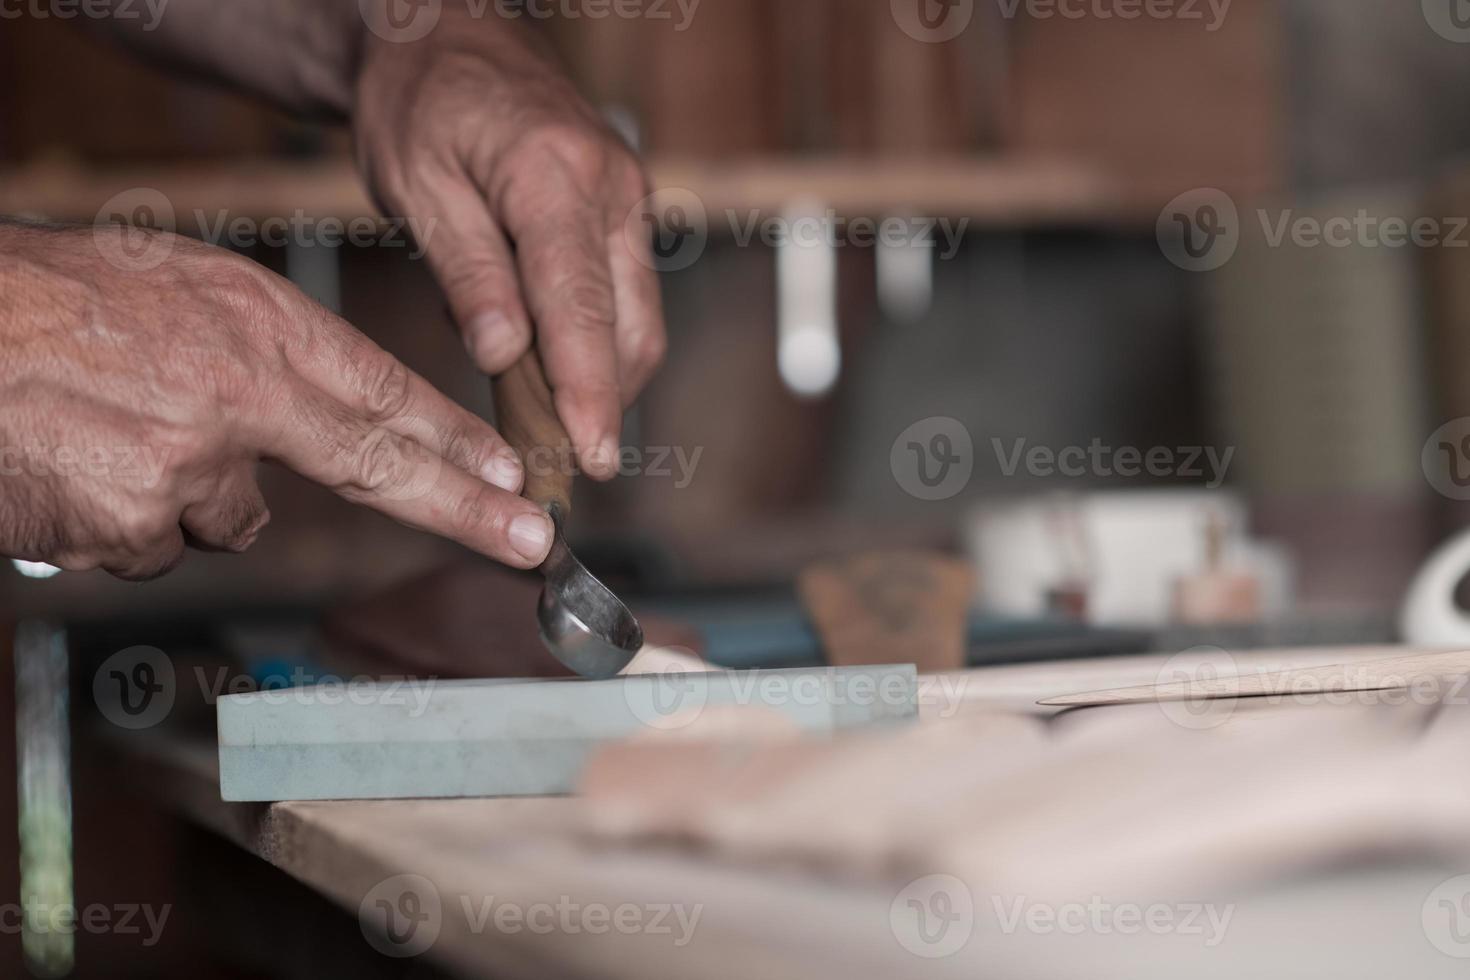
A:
(1060, 321)
(1057, 327)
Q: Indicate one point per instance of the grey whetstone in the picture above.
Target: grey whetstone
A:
(1378, 675)
(468, 738)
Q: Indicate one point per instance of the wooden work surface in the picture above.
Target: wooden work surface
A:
(772, 922)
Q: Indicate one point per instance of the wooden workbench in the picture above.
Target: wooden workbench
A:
(763, 921)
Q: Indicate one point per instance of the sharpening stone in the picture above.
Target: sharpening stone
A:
(443, 738)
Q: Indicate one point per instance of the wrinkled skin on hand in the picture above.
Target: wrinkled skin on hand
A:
(135, 405)
(476, 129)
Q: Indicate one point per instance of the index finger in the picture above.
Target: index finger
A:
(348, 367)
(328, 442)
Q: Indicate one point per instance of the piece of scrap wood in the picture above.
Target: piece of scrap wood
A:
(1377, 675)
(891, 607)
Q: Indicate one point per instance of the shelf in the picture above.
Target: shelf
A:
(995, 191)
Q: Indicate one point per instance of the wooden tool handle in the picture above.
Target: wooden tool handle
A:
(526, 416)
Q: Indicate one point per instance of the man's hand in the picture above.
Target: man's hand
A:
(475, 129)
(134, 406)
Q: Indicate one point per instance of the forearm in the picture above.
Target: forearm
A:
(299, 54)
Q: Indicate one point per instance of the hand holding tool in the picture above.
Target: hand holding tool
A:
(582, 623)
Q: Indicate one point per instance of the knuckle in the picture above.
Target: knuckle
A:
(479, 271)
(137, 528)
(76, 561)
(580, 149)
(239, 286)
(386, 388)
(650, 350)
(145, 543)
(231, 378)
(241, 525)
(155, 564)
(631, 181)
(473, 514)
(379, 465)
(589, 307)
(35, 529)
(463, 449)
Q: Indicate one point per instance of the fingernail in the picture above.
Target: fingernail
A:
(504, 471)
(491, 340)
(530, 536)
(605, 456)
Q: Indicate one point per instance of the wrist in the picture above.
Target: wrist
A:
(327, 57)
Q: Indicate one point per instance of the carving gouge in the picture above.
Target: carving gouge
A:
(582, 623)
